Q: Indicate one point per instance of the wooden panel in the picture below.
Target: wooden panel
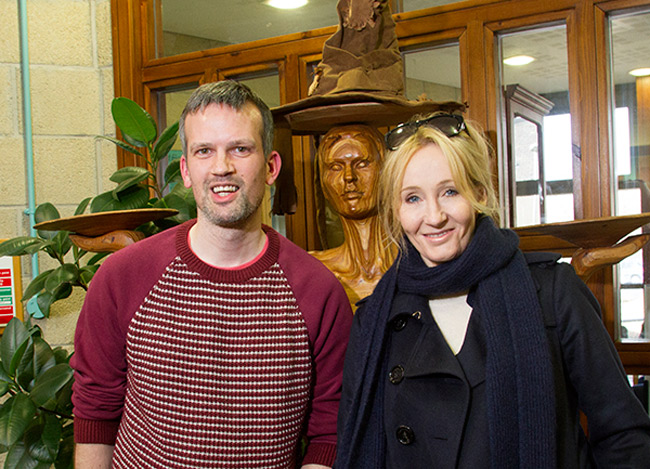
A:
(474, 24)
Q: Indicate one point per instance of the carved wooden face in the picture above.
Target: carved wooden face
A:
(349, 163)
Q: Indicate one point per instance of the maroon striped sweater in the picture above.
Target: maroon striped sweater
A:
(210, 368)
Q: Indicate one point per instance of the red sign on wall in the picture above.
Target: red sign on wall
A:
(9, 296)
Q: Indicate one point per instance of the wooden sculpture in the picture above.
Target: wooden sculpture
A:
(349, 160)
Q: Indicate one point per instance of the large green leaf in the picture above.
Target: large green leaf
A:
(134, 142)
(38, 358)
(61, 244)
(165, 142)
(173, 172)
(132, 198)
(133, 120)
(64, 399)
(4, 377)
(46, 212)
(49, 383)
(81, 208)
(46, 298)
(20, 246)
(97, 257)
(129, 172)
(16, 415)
(179, 203)
(123, 145)
(127, 178)
(66, 273)
(36, 285)
(87, 272)
(66, 451)
(19, 458)
(42, 439)
(61, 355)
(14, 338)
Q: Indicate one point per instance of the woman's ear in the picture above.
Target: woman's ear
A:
(481, 194)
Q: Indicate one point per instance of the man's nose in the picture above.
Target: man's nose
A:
(221, 163)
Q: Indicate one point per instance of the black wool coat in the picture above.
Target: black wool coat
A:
(435, 405)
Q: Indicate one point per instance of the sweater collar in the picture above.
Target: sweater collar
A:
(215, 274)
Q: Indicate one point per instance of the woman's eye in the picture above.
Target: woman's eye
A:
(451, 192)
(411, 199)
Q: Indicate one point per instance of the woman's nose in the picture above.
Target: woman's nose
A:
(435, 214)
(349, 174)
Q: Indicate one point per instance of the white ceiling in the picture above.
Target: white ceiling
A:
(240, 21)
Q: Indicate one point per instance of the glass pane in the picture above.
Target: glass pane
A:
(540, 165)
(527, 175)
(193, 25)
(434, 73)
(630, 51)
(267, 86)
(411, 5)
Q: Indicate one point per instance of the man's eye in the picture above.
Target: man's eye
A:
(363, 164)
(242, 150)
(202, 151)
(335, 167)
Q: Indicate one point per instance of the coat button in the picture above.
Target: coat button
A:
(399, 323)
(405, 435)
(396, 375)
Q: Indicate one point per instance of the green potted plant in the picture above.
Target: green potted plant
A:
(136, 187)
(36, 422)
(36, 413)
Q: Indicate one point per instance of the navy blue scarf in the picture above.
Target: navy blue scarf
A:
(519, 374)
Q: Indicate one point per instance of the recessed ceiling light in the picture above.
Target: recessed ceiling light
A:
(286, 4)
(640, 72)
(518, 60)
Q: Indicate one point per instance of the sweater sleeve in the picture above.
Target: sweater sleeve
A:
(619, 428)
(99, 362)
(328, 316)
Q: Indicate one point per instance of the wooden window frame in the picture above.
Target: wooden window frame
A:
(474, 24)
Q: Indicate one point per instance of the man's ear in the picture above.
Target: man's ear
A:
(273, 163)
(185, 172)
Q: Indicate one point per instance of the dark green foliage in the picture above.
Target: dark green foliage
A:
(36, 412)
(134, 187)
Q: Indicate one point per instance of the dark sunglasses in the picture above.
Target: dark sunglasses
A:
(449, 124)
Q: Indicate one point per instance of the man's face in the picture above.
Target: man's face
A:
(349, 173)
(225, 164)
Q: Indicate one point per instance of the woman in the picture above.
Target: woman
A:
(469, 354)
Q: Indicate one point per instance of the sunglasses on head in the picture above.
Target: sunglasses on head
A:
(449, 124)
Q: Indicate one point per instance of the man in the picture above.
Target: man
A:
(218, 343)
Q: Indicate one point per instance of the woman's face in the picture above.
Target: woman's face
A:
(437, 220)
(349, 173)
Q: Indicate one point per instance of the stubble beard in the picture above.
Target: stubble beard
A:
(234, 215)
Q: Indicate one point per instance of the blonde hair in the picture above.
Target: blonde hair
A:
(468, 155)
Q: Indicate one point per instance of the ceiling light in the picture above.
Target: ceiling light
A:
(518, 60)
(286, 4)
(640, 72)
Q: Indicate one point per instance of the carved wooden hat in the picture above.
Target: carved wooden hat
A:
(360, 78)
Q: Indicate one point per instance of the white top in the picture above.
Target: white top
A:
(452, 314)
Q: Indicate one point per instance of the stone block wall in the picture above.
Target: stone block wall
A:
(70, 55)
